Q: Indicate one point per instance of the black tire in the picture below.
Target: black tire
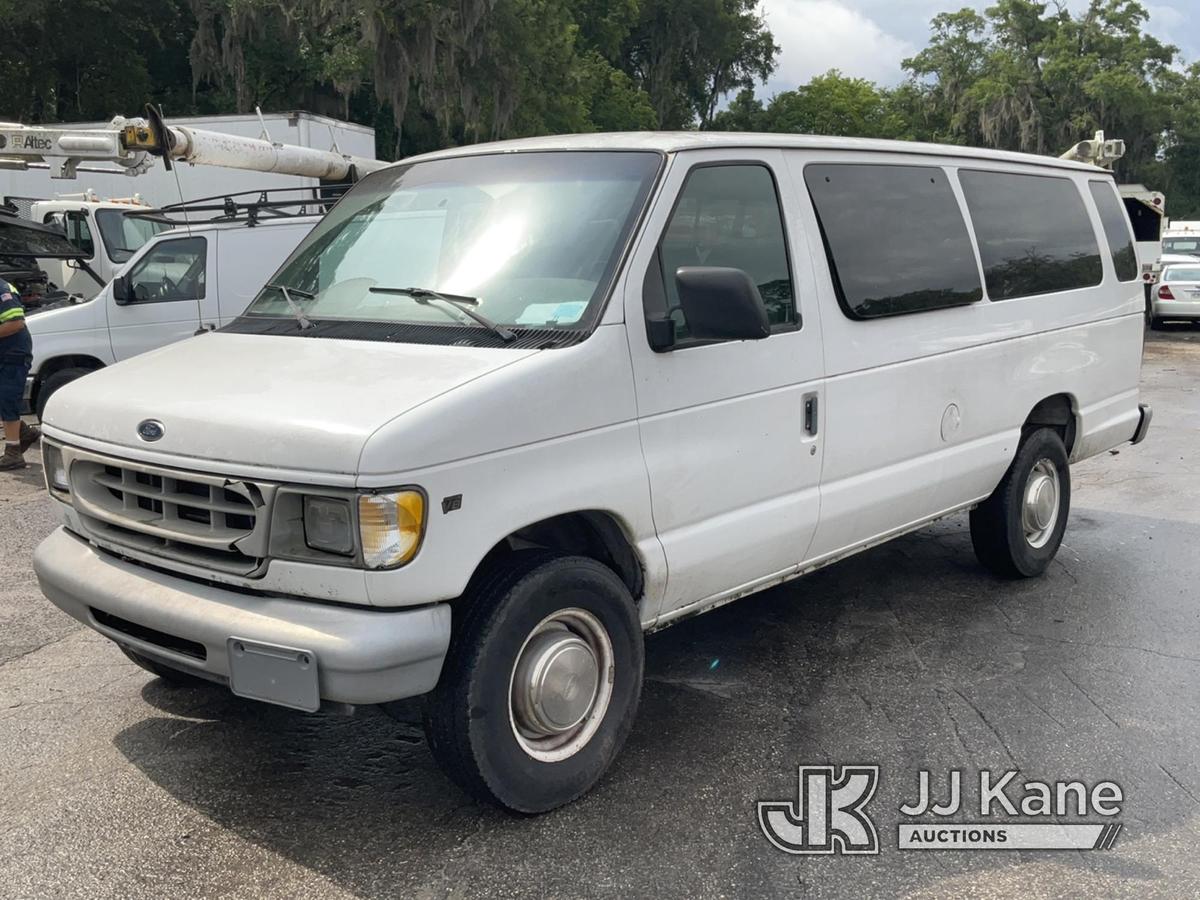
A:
(52, 383)
(166, 673)
(468, 721)
(1156, 323)
(997, 524)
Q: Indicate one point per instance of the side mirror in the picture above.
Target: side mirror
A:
(122, 292)
(721, 304)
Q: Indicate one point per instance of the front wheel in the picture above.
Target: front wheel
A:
(541, 682)
(52, 383)
(1017, 530)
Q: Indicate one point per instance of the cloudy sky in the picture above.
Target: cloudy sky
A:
(868, 38)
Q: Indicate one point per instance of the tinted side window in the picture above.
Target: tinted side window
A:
(170, 270)
(895, 238)
(1116, 229)
(726, 216)
(1034, 234)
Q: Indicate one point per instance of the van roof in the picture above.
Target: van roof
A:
(242, 223)
(675, 141)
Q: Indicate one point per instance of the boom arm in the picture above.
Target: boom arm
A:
(131, 144)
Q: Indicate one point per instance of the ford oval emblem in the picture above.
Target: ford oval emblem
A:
(151, 430)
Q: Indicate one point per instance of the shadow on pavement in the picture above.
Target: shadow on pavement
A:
(907, 656)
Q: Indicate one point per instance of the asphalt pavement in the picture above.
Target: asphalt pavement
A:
(906, 657)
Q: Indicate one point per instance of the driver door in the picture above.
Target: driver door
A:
(731, 430)
(173, 296)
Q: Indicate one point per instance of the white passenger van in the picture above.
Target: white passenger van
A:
(509, 406)
(182, 281)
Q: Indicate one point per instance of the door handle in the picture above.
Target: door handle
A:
(810, 414)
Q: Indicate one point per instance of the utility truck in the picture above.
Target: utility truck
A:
(1181, 241)
(128, 147)
(186, 271)
(98, 228)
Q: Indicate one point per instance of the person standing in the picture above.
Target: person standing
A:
(16, 356)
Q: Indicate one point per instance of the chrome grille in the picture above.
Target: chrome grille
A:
(200, 519)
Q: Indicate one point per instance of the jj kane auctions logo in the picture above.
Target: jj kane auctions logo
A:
(829, 814)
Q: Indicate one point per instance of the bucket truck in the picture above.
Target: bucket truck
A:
(108, 279)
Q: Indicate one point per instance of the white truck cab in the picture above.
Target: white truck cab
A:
(509, 406)
(183, 281)
(106, 237)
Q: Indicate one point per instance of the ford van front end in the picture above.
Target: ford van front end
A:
(238, 506)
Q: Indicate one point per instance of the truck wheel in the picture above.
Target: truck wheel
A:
(52, 383)
(541, 682)
(1016, 531)
(166, 673)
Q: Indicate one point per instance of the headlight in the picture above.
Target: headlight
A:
(391, 526)
(327, 525)
(55, 469)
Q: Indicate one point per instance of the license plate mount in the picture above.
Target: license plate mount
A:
(285, 676)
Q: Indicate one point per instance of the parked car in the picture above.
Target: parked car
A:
(1178, 294)
(510, 406)
(179, 283)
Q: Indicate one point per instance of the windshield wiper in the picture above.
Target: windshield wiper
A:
(464, 305)
(287, 292)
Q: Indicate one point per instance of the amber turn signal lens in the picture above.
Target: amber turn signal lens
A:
(391, 526)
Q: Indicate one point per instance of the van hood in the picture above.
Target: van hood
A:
(272, 401)
(63, 316)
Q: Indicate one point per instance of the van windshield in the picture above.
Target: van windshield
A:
(533, 239)
(124, 235)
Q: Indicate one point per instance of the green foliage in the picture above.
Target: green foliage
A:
(1031, 76)
(1022, 75)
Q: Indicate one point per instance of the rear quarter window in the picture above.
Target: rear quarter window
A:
(1034, 234)
(1116, 229)
(895, 238)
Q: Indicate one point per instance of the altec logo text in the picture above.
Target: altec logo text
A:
(830, 814)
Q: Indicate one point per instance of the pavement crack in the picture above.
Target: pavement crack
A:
(987, 722)
(725, 690)
(1070, 574)
(912, 648)
(954, 722)
(1179, 784)
(1101, 646)
(32, 650)
(1049, 715)
(1089, 697)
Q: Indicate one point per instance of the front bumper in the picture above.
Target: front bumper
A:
(363, 656)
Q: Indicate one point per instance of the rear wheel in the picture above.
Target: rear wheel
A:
(1156, 323)
(1017, 530)
(541, 682)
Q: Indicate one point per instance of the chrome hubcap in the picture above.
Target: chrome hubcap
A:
(1039, 512)
(561, 685)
